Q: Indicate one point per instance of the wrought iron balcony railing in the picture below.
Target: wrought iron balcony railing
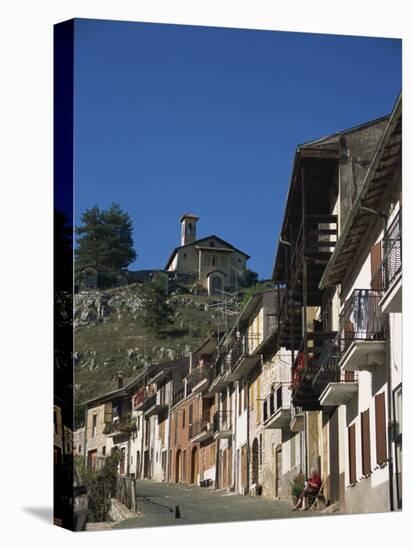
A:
(245, 345)
(273, 402)
(329, 368)
(392, 252)
(178, 396)
(222, 421)
(361, 318)
(200, 425)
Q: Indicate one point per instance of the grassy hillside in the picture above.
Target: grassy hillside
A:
(110, 336)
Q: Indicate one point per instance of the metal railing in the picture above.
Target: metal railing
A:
(150, 402)
(199, 425)
(124, 424)
(244, 345)
(222, 421)
(392, 252)
(329, 369)
(273, 402)
(361, 318)
(178, 396)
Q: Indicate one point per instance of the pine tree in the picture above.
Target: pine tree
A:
(157, 313)
(105, 242)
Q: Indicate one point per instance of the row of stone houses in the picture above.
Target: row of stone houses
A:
(309, 376)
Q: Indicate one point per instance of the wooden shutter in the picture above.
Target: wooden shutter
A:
(352, 453)
(108, 412)
(366, 443)
(258, 401)
(376, 272)
(380, 428)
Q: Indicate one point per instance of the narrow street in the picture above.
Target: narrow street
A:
(157, 502)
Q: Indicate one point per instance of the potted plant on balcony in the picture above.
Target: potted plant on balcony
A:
(296, 487)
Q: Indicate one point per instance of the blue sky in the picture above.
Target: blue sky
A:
(170, 119)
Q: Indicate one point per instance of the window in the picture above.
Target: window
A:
(366, 444)
(352, 454)
(380, 428)
(108, 413)
(214, 260)
(175, 423)
(184, 418)
(94, 425)
(279, 398)
(80, 448)
(212, 243)
(240, 397)
(190, 419)
(104, 450)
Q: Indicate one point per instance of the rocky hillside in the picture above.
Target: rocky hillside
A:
(110, 336)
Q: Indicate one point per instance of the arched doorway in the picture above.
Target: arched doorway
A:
(255, 461)
(178, 466)
(195, 466)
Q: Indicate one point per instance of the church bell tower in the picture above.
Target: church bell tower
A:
(188, 224)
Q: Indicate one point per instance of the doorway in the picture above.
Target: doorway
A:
(194, 466)
(178, 466)
(255, 461)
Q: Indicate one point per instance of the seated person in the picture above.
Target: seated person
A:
(312, 486)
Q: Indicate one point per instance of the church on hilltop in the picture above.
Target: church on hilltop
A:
(216, 264)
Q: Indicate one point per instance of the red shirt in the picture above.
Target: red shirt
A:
(315, 480)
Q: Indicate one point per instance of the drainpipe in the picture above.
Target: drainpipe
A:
(390, 412)
(247, 435)
(234, 438)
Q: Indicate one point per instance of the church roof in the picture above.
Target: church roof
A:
(198, 241)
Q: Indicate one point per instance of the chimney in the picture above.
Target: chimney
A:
(119, 378)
